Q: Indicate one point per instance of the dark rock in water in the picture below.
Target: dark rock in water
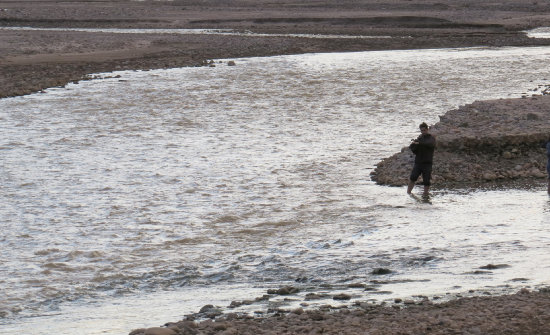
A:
(381, 271)
(284, 290)
(213, 313)
(371, 288)
(342, 296)
(479, 272)
(235, 304)
(357, 285)
(206, 308)
(231, 63)
(313, 296)
(381, 292)
(494, 266)
(263, 298)
(210, 311)
(519, 279)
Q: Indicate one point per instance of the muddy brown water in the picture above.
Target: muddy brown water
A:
(141, 198)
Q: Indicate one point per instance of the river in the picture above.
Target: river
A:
(131, 200)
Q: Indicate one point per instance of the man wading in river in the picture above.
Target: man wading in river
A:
(423, 148)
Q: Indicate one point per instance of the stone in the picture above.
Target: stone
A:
(213, 313)
(220, 326)
(235, 304)
(316, 316)
(381, 271)
(494, 266)
(298, 311)
(341, 296)
(533, 116)
(159, 331)
(489, 176)
(210, 311)
(206, 308)
(287, 290)
(313, 296)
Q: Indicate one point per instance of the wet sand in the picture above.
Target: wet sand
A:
(31, 61)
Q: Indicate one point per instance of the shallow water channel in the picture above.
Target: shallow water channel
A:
(130, 201)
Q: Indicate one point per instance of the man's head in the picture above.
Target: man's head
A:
(423, 128)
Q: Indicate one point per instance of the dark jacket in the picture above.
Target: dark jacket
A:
(546, 145)
(424, 150)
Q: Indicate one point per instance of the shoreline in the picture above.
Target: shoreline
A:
(522, 312)
(32, 61)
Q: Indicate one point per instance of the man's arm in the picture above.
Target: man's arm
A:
(427, 142)
(414, 146)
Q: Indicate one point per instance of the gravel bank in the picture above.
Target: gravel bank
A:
(486, 141)
(522, 313)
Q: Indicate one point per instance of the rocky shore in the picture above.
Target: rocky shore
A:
(486, 141)
(525, 312)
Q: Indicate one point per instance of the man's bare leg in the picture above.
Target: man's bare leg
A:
(426, 190)
(411, 186)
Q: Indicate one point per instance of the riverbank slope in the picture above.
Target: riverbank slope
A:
(32, 60)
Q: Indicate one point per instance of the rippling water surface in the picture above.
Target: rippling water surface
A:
(130, 201)
(226, 32)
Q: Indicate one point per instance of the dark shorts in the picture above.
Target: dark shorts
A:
(422, 169)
